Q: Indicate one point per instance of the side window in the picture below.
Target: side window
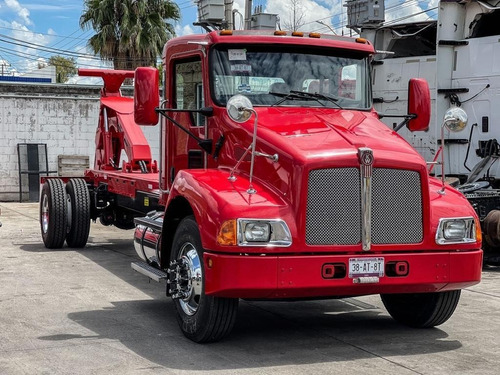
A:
(189, 88)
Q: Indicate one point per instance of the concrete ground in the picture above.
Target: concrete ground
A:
(88, 312)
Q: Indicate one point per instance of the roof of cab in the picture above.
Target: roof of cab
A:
(195, 41)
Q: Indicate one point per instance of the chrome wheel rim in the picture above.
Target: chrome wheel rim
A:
(45, 214)
(191, 276)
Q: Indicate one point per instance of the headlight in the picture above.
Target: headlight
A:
(456, 230)
(257, 232)
(268, 232)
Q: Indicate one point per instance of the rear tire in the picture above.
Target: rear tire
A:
(79, 215)
(421, 310)
(53, 213)
(201, 318)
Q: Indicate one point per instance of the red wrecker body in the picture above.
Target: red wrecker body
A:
(276, 180)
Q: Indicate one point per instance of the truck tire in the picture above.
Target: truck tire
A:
(53, 213)
(78, 212)
(201, 318)
(421, 310)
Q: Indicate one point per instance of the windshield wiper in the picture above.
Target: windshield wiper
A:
(301, 95)
(292, 95)
(319, 96)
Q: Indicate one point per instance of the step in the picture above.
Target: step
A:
(151, 272)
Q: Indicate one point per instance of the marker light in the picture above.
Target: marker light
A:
(227, 233)
(479, 234)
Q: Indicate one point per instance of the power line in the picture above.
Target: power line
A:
(392, 22)
(39, 47)
(36, 58)
(38, 33)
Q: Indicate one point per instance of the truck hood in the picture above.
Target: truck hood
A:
(312, 133)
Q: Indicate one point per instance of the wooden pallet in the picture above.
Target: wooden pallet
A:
(72, 165)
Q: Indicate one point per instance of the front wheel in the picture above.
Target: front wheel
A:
(421, 310)
(201, 318)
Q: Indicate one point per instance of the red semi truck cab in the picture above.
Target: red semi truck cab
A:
(276, 180)
(279, 181)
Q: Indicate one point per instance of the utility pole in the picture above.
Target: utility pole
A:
(248, 14)
(228, 14)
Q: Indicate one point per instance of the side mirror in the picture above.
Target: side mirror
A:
(146, 96)
(239, 108)
(419, 104)
(455, 119)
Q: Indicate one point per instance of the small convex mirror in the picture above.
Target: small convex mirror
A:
(239, 108)
(455, 119)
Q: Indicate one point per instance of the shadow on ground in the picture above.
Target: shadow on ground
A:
(266, 333)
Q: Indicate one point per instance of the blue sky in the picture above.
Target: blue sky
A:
(53, 25)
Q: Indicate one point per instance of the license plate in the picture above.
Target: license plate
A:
(359, 267)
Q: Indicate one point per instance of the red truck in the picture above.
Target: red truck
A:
(276, 180)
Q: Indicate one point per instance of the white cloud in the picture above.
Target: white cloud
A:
(23, 56)
(22, 12)
(88, 61)
(402, 13)
(311, 12)
(183, 30)
(432, 4)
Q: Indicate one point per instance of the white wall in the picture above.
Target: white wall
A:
(45, 72)
(64, 117)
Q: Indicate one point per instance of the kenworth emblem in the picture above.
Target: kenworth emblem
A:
(365, 156)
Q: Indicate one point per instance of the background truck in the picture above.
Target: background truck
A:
(457, 54)
(276, 180)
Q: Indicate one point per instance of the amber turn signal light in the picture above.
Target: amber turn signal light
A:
(227, 233)
(479, 234)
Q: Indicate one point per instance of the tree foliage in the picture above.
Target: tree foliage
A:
(65, 67)
(130, 33)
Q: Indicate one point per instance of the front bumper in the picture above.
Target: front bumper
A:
(301, 276)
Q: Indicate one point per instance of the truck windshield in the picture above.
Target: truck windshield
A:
(288, 77)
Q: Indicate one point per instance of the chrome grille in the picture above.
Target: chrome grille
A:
(396, 206)
(333, 214)
(333, 196)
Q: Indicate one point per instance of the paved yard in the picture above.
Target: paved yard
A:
(88, 312)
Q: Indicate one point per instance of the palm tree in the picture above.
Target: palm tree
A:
(130, 33)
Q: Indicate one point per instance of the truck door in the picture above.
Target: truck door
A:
(183, 150)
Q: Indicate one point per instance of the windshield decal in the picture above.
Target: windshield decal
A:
(241, 68)
(237, 54)
(244, 88)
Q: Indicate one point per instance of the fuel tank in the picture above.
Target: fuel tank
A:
(147, 237)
